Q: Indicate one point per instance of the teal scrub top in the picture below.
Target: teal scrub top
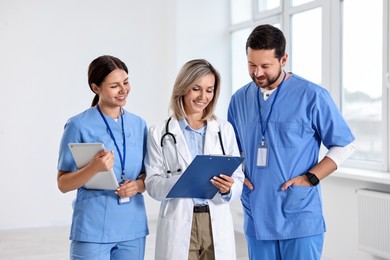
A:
(97, 215)
(304, 116)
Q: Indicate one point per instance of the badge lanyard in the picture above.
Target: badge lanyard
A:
(122, 159)
(262, 151)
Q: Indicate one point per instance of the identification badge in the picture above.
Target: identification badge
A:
(123, 200)
(262, 155)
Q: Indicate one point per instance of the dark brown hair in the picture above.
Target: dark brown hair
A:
(267, 37)
(100, 68)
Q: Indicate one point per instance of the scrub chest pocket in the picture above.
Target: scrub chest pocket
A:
(291, 134)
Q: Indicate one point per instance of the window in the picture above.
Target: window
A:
(362, 50)
(240, 11)
(239, 61)
(265, 5)
(306, 41)
(299, 2)
(339, 44)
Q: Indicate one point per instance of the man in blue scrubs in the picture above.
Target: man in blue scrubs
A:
(280, 121)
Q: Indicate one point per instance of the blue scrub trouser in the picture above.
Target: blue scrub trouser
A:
(303, 248)
(126, 250)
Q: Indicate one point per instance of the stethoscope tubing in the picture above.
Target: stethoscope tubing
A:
(163, 138)
(167, 135)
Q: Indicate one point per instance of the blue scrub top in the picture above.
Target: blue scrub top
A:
(97, 216)
(303, 116)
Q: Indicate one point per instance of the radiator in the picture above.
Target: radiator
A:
(374, 222)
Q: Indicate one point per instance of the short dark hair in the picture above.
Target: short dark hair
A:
(100, 68)
(267, 37)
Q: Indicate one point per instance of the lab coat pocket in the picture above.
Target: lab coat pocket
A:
(172, 239)
(167, 209)
(301, 199)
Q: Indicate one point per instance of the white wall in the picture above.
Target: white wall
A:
(341, 216)
(45, 49)
(202, 32)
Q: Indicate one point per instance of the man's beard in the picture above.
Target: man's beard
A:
(269, 82)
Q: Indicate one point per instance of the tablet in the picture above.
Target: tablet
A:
(82, 154)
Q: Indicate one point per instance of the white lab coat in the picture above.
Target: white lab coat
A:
(175, 216)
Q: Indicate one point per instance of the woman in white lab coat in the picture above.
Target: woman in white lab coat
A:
(192, 228)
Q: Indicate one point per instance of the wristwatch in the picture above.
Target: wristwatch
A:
(225, 193)
(312, 178)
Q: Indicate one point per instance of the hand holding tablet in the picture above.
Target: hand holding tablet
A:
(83, 153)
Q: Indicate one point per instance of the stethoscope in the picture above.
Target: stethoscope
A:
(168, 135)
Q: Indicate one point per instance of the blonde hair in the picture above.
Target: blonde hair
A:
(189, 75)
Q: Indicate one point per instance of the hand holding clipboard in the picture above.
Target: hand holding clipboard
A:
(195, 181)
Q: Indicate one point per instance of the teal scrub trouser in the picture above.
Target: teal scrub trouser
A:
(304, 248)
(125, 250)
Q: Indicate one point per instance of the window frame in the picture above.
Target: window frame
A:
(331, 58)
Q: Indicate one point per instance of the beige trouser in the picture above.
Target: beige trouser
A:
(201, 244)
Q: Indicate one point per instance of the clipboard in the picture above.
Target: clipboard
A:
(82, 154)
(195, 180)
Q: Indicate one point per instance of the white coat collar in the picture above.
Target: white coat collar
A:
(211, 139)
(182, 149)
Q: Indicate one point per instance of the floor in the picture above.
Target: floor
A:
(52, 243)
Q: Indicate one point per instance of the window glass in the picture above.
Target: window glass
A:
(299, 2)
(306, 45)
(362, 75)
(241, 11)
(358, 81)
(264, 5)
(240, 75)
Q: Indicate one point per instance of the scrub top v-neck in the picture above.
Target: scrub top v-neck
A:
(97, 216)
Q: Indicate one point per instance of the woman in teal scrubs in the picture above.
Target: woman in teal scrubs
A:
(107, 224)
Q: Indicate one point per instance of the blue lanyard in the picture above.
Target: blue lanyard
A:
(263, 129)
(122, 159)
